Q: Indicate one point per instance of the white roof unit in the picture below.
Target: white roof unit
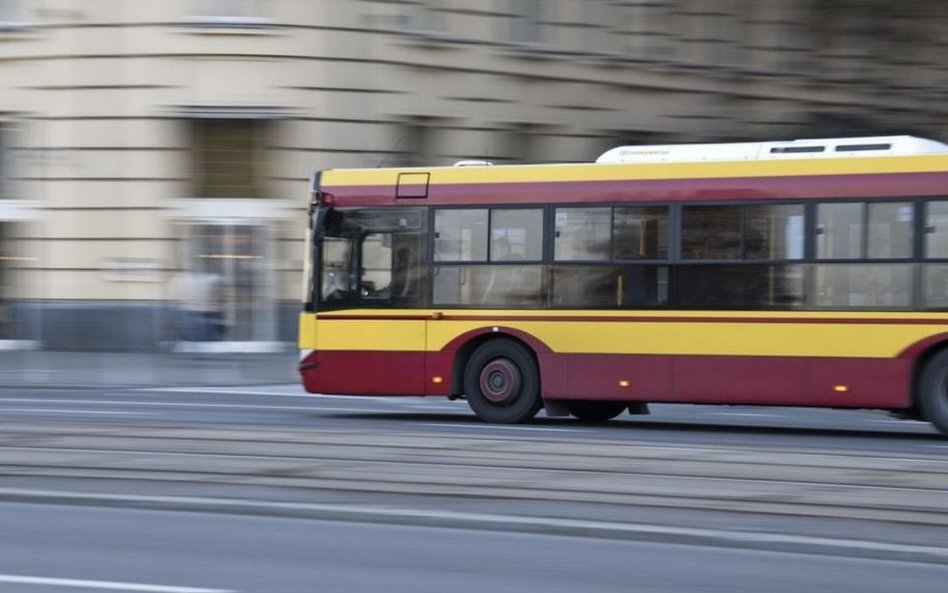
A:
(761, 151)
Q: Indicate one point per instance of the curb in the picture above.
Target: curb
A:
(759, 541)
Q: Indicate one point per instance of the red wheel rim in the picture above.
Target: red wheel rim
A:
(500, 381)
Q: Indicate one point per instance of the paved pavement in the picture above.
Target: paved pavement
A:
(77, 369)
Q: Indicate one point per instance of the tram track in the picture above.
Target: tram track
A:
(807, 483)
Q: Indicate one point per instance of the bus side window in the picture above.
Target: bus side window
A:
(407, 268)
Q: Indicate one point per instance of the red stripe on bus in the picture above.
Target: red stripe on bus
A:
(493, 320)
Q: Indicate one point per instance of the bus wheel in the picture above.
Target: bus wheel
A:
(502, 383)
(933, 392)
(593, 411)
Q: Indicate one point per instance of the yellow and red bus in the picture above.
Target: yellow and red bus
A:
(802, 273)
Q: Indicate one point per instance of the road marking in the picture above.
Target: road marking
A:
(402, 400)
(109, 585)
(239, 391)
(424, 518)
(61, 411)
(746, 414)
(101, 402)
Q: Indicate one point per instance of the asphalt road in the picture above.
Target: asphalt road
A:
(52, 550)
(423, 496)
(286, 406)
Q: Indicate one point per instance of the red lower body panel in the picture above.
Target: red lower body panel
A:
(364, 373)
(792, 381)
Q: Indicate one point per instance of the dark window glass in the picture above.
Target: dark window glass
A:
(228, 158)
(461, 235)
(489, 286)
(796, 149)
(586, 286)
(640, 233)
(862, 285)
(582, 234)
(860, 147)
(609, 286)
(711, 232)
(740, 287)
(645, 286)
(516, 234)
(773, 232)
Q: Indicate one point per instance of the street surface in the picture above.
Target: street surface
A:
(177, 552)
(264, 489)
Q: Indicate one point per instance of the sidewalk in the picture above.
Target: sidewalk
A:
(81, 369)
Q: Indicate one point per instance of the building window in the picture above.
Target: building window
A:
(229, 158)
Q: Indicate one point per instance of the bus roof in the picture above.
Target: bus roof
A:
(753, 151)
(876, 167)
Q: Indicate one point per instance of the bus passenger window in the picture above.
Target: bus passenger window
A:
(583, 234)
(460, 235)
(740, 286)
(862, 285)
(489, 286)
(587, 286)
(839, 231)
(773, 232)
(516, 234)
(936, 286)
(936, 230)
(711, 232)
(890, 230)
(640, 233)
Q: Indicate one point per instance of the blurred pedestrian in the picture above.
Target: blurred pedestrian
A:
(199, 303)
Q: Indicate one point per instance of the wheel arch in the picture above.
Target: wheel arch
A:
(465, 345)
(920, 353)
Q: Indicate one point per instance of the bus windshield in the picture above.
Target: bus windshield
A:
(370, 257)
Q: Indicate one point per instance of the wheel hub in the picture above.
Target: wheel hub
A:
(500, 381)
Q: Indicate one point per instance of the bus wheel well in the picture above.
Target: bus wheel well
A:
(464, 353)
(919, 368)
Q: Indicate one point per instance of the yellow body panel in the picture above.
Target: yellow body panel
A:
(710, 333)
(382, 334)
(598, 172)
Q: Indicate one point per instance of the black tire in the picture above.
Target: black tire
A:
(595, 411)
(933, 392)
(502, 383)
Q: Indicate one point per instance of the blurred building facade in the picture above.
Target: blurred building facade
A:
(154, 155)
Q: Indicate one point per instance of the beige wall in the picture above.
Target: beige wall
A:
(97, 89)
